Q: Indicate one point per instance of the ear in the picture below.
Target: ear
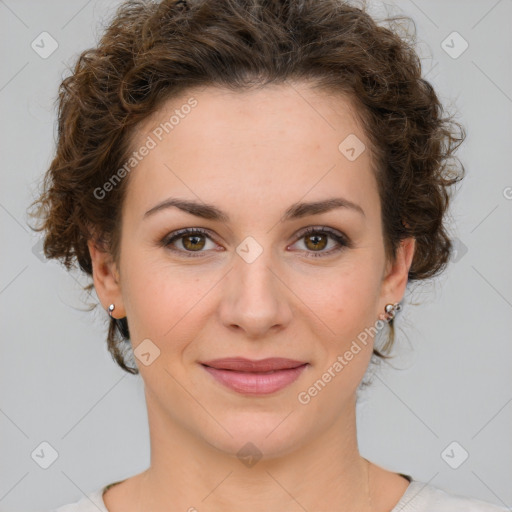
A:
(106, 280)
(396, 274)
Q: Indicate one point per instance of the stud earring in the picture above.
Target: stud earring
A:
(390, 311)
(110, 309)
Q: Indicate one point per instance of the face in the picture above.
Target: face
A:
(267, 279)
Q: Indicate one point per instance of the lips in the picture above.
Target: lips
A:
(241, 364)
(250, 377)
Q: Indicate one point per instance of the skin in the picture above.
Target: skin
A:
(252, 154)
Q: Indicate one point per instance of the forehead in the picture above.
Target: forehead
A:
(284, 110)
(275, 141)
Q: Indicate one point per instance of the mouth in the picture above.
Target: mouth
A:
(252, 377)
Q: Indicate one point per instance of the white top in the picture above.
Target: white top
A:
(418, 497)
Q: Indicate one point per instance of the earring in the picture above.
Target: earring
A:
(390, 311)
(110, 309)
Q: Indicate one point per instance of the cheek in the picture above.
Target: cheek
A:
(350, 293)
(350, 313)
(162, 301)
(151, 298)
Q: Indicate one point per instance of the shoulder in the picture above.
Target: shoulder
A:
(419, 497)
(93, 502)
(422, 497)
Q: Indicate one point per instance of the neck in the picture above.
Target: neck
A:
(326, 472)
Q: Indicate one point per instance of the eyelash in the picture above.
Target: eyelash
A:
(342, 240)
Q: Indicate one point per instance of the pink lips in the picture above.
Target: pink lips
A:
(255, 377)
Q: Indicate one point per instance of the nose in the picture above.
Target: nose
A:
(255, 298)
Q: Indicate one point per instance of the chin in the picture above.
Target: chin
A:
(262, 435)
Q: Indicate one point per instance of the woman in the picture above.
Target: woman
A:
(251, 186)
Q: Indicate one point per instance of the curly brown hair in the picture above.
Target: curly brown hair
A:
(153, 51)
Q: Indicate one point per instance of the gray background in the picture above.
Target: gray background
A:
(452, 380)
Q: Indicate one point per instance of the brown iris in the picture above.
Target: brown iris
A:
(314, 239)
(194, 245)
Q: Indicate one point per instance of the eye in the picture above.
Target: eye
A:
(190, 240)
(316, 240)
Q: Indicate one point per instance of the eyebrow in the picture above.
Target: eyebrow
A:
(295, 211)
